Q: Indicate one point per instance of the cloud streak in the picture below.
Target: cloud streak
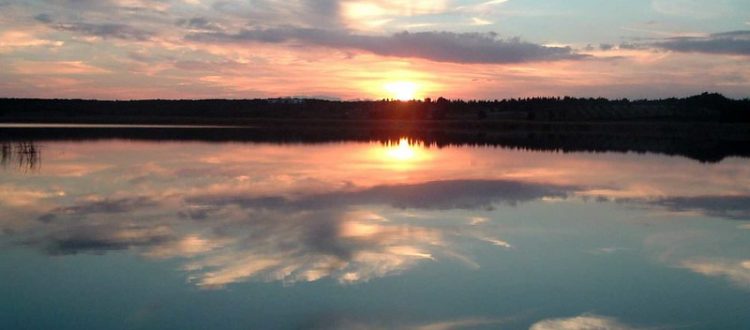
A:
(728, 43)
(104, 206)
(100, 238)
(580, 322)
(435, 195)
(738, 272)
(106, 31)
(727, 207)
(486, 48)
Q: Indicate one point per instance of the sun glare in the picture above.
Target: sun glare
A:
(402, 90)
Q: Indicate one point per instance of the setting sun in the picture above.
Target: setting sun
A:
(402, 90)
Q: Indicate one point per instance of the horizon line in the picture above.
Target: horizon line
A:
(332, 99)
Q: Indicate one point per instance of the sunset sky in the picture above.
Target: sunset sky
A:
(372, 49)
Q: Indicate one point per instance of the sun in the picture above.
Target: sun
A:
(402, 90)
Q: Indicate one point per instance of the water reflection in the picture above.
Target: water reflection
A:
(737, 271)
(404, 150)
(586, 321)
(353, 212)
(345, 235)
(25, 156)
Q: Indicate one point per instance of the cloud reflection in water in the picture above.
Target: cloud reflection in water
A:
(273, 238)
(350, 212)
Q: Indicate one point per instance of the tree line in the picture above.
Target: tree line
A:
(711, 107)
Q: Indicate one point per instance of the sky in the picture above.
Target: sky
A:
(373, 49)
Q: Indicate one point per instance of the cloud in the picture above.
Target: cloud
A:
(738, 272)
(287, 245)
(369, 14)
(106, 30)
(44, 18)
(399, 8)
(17, 196)
(346, 322)
(105, 206)
(13, 39)
(305, 238)
(438, 195)
(199, 23)
(497, 242)
(93, 238)
(57, 68)
(479, 21)
(469, 323)
(582, 322)
(110, 6)
(308, 13)
(481, 8)
(434, 46)
(306, 246)
(188, 246)
(101, 30)
(728, 207)
(156, 5)
(730, 43)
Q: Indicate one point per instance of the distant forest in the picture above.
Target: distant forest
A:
(706, 127)
(706, 107)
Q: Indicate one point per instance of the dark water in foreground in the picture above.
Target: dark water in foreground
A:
(190, 235)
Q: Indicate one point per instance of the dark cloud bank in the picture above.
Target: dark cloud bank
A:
(435, 46)
(86, 238)
(436, 195)
(727, 207)
(730, 43)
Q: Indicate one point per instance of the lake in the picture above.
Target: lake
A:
(118, 234)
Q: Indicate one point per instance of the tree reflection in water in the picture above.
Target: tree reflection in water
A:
(24, 155)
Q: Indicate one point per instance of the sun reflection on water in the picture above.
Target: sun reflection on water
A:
(404, 155)
(403, 151)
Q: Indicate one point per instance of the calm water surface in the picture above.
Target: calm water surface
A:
(144, 235)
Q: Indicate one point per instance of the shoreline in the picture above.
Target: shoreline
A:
(705, 142)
